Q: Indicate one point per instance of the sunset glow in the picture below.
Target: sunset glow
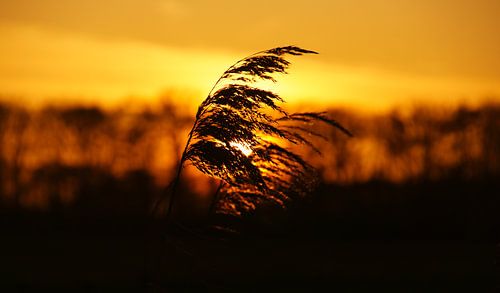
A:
(372, 56)
(244, 148)
(194, 145)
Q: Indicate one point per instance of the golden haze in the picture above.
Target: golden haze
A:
(373, 56)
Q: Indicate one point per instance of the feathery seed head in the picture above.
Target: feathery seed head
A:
(231, 130)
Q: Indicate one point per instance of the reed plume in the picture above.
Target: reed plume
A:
(237, 132)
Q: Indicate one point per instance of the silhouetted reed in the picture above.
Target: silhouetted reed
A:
(234, 133)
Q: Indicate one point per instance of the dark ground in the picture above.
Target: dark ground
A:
(433, 237)
(437, 232)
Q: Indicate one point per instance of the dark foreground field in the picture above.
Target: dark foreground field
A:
(358, 238)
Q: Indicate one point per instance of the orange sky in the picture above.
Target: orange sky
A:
(374, 54)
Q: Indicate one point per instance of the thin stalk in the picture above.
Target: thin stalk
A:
(178, 174)
(175, 184)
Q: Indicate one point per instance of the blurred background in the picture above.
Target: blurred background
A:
(97, 98)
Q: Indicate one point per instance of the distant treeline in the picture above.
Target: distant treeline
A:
(423, 144)
(49, 156)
